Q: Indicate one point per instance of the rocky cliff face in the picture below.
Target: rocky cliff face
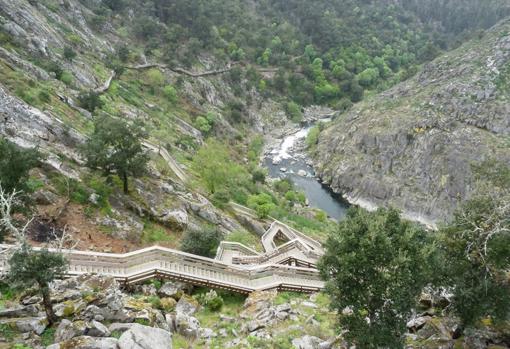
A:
(414, 146)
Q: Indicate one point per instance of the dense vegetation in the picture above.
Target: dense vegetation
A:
(377, 265)
(322, 52)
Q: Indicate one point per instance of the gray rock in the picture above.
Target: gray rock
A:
(44, 197)
(31, 300)
(19, 311)
(207, 333)
(174, 289)
(97, 329)
(120, 327)
(186, 305)
(66, 330)
(32, 324)
(307, 342)
(188, 326)
(254, 325)
(86, 342)
(309, 305)
(145, 337)
(176, 219)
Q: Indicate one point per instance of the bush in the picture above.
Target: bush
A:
(262, 203)
(170, 93)
(69, 53)
(202, 243)
(211, 300)
(90, 101)
(220, 198)
(44, 96)
(202, 124)
(294, 112)
(66, 77)
(259, 175)
(313, 137)
(154, 77)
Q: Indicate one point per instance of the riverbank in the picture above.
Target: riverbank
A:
(285, 157)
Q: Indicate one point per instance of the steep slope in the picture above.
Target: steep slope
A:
(416, 145)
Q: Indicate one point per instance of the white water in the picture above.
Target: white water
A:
(285, 161)
(284, 152)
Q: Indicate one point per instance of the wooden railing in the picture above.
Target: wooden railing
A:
(168, 263)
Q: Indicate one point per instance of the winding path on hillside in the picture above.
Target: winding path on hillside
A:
(174, 166)
(290, 267)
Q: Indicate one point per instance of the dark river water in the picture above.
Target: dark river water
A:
(318, 195)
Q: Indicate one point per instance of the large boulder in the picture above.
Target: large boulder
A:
(35, 325)
(186, 305)
(145, 337)
(185, 325)
(174, 289)
(175, 219)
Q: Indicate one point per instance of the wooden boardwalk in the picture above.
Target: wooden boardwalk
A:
(289, 267)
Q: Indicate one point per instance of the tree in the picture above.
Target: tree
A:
(375, 266)
(216, 168)
(115, 146)
(15, 165)
(294, 112)
(262, 203)
(69, 53)
(90, 101)
(202, 242)
(170, 93)
(28, 267)
(476, 250)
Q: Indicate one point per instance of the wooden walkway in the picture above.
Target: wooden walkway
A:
(289, 267)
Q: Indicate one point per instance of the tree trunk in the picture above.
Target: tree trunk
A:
(125, 182)
(48, 307)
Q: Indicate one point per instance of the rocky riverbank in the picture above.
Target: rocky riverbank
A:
(414, 147)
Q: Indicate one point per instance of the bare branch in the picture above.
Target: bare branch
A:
(7, 202)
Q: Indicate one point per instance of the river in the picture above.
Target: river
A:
(289, 160)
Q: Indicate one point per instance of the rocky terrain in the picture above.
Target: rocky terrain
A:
(414, 146)
(162, 205)
(95, 312)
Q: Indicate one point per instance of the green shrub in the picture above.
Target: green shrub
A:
(44, 96)
(67, 78)
(170, 93)
(294, 112)
(154, 301)
(220, 198)
(262, 203)
(203, 243)
(259, 175)
(90, 101)
(313, 137)
(48, 336)
(69, 53)
(211, 300)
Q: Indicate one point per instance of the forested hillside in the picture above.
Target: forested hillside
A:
(126, 124)
(324, 52)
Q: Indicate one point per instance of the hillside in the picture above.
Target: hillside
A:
(418, 145)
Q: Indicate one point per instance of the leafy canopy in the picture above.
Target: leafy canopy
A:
(116, 146)
(376, 266)
(217, 169)
(15, 164)
(202, 242)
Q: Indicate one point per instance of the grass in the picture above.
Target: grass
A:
(153, 233)
(48, 336)
(249, 239)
